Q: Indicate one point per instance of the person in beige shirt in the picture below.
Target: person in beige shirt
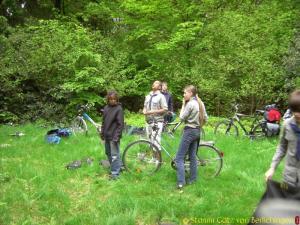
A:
(289, 145)
(194, 116)
(155, 107)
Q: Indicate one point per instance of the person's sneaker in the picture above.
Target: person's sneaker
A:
(180, 186)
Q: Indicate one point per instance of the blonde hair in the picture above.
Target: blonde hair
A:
(193, 90)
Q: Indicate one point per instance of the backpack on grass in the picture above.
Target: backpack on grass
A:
(54, 136)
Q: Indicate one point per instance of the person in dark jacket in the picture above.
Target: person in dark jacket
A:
(111, 131)
(170, 114)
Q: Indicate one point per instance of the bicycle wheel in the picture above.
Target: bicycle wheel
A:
(259, 132)
(227, 128)
(79, 126)
(141, 157)
(210, 161)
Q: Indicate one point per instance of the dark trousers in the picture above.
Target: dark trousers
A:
(112, 150)
(188, 145)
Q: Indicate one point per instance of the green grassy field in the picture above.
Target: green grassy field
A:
(36, 188)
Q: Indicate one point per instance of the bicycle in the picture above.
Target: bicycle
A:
(144, 157)
(229, 127)
(79, 125)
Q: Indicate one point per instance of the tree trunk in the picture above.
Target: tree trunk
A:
(253, 104)
(59, 4)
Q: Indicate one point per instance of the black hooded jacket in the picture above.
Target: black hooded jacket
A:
(113, 123)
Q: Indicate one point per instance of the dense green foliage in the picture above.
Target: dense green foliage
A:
(56, 54)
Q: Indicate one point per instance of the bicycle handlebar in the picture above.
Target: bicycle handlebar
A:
(83, 107)
(176, 124)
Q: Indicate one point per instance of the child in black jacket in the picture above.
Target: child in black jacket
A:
(111, 131)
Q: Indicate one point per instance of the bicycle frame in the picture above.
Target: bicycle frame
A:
(87, 117)
(171, 135)
(84, 116)
(176, 125)
(237, 118)
(160, 146)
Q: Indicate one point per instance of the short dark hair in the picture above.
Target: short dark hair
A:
(112, 93)
(294, 101)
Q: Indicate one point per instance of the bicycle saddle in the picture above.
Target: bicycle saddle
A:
(260, 111)
(212, 143)
(242, 115)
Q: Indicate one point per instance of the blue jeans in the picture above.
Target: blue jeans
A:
(112, 150)
(188, 145)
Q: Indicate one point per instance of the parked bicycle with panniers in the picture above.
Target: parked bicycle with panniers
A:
(145, 157)
(265, 123)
